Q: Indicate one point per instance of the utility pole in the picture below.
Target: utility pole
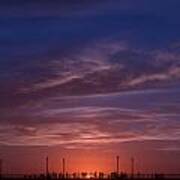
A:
(0, 168)
(117, 165)
(64, 168)
(132, 167)
(47, 166)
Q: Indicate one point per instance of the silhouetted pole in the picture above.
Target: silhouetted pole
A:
(117, 164)
(0, 168)
(47, 166)
(63, 163)
(132, 167)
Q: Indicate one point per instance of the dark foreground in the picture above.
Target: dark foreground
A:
(163, 178)
(107, 177)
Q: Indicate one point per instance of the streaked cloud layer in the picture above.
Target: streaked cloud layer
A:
(96, 119)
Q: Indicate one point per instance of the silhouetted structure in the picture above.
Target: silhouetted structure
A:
(117, 165)
(89, 176)
(47, 166)
(132, 167)
(63, 165)
(0, 168)
(118, 175)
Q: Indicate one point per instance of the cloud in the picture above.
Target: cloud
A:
(108, 66)
(170, 74)
(82, 126)
(93, 90)
(55, 82)
(170, 149)
(52, 134)
(80, 67)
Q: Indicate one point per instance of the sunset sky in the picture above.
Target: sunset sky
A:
(88, 80)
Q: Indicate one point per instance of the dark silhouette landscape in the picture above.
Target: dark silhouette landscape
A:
(64, 175)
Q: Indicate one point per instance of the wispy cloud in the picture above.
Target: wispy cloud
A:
(82, 134)
(109, 66)
(170, 74)
(88, 98)
(92, 61)
(75, 127)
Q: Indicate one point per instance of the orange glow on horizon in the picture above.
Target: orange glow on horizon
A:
(89, 162)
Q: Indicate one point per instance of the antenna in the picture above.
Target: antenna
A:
(117, 164)
(47, 166)
(63, 163)
(132, 167)
(0, 168)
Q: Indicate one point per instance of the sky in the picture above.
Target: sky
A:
(89, 80)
